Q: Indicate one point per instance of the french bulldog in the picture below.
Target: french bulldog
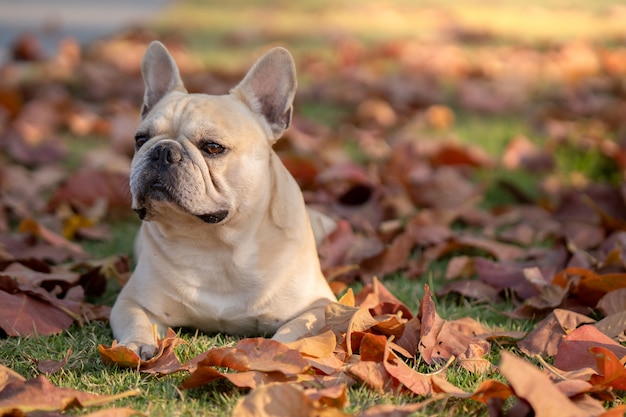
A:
(226, 243)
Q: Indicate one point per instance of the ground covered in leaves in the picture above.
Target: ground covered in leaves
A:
(480, 256)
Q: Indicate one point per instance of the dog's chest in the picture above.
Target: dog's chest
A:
(215, 289)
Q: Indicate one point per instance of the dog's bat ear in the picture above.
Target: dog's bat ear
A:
(269, 88)
(160, 76)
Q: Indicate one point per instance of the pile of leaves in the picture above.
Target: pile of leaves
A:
(373, 339)
(408, 198)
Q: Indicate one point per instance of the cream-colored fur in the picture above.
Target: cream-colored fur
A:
(226, 244)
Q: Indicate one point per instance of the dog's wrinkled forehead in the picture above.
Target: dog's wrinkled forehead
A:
(200, 116)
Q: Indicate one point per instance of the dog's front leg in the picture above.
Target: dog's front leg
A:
(134, 328)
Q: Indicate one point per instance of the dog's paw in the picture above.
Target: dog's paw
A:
(145, 351)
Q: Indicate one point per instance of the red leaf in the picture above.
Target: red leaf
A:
(24, 315)
(574, 353)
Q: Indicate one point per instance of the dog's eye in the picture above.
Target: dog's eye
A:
(213, 148)
(140, 139)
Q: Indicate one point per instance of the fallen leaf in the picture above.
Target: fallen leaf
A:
(115, 412)
(589, 286)
(38, 394)
(50, 366)
(439, 340)
(471, 289)
(275, 400)
(613, 302)
(335, 396)
(404, 410)
(320, 346)
(490, 389)
(26, 315)
(164, 361)
(614, 326)
(8, 376)
(379, 300)
(345, 320)
(611, 369)
(547, 335)
(574, 353)
(416, 382)
(54, 239)
(531, 385)
(257, 360)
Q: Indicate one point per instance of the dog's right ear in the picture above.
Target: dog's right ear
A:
(160, 76)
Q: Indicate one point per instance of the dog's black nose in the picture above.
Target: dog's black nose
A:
(165, 154)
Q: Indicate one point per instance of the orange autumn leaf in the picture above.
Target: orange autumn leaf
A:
(164, 361)
(612, 371)
(491, 389)
(590, 286)
(318, 346)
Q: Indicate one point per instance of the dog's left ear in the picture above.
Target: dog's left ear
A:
(269, 87)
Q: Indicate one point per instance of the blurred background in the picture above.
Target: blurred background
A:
(534, 90)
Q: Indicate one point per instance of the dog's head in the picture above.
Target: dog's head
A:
(208, 156)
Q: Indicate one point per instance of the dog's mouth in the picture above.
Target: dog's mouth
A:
(157, 188)
(159, 191)
(211, 218)
(215, 217)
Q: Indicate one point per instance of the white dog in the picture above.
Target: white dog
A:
(226, 244)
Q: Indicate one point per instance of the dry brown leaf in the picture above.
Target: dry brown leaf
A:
(320, 346)
(545, 338)
(258, 361)
(343, 319)
(8, 376)
(531, 385)
(50, 366)
(39, 394)
(471, 289)
(26, 314)
(373, 374)
(614, 326)
(439, 340)
(613, 302)
(115, 412)
(275, 400)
